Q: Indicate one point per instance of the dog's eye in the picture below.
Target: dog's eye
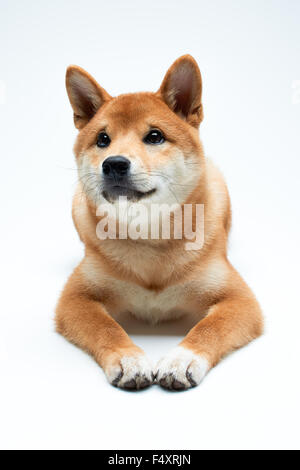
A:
(103, 140)
(154, 137)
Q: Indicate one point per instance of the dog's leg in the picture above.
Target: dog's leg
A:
(230, 324)
(83, 320)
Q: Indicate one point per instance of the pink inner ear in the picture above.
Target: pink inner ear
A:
(183, 86)
(85, 96)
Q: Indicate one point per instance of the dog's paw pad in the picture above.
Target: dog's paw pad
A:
(181, 369)
(176, 385)
(138, 382)
(117, 379)
(131, 373)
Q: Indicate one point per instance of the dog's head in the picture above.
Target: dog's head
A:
(143, 145)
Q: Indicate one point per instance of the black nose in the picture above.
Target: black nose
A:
(116, 166)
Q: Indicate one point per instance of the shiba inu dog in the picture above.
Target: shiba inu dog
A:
(146, 147)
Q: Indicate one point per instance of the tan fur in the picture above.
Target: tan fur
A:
(153, 279)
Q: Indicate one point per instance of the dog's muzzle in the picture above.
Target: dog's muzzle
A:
(117, 181)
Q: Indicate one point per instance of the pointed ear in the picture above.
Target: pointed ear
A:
(181, 90)
(85, 95)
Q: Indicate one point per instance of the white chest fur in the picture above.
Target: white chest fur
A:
(150, 305)
(155, 306)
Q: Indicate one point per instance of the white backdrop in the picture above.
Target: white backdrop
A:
(52, 395)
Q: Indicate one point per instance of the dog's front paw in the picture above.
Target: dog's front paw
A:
(181, 369)
(131, 372)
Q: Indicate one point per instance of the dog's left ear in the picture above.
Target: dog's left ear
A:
(181, 90)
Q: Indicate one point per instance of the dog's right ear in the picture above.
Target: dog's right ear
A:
(85, 95)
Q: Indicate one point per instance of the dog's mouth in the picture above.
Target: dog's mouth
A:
(114, 192)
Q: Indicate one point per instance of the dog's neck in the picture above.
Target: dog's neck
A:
(151, 263)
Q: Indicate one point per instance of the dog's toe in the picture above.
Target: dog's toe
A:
(171, 383)
(165, 382)
(131, 384)
(146, 382)
(131, 373)
(117, 379)
(181, 369)
(138, 383)
(176, 385)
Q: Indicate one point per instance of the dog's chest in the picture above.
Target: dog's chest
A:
(150, 305)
